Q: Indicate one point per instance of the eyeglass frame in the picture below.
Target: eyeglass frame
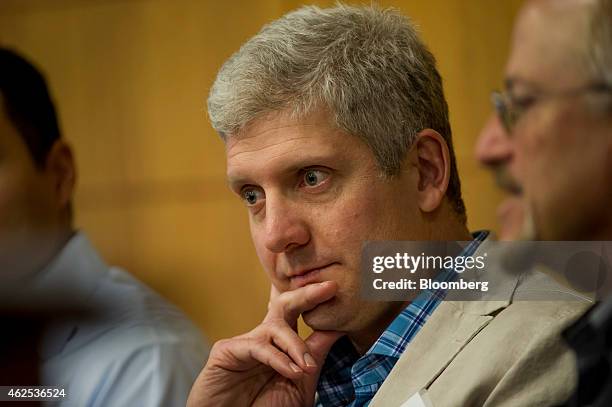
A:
(509, 111)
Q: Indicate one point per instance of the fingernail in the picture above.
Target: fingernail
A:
(295, 368)
(309, 360)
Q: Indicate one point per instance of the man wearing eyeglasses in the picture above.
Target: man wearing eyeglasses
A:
(549, 144)
(550, 147)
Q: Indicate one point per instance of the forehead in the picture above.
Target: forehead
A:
(278, 142)
(549, 42)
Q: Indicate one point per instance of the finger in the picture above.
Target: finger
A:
(290, 304)
(269, 355)
(287, 340)
(244, 353)
(319, 343)
(274, 293)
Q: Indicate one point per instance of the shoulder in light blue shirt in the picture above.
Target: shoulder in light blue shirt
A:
(138, 351)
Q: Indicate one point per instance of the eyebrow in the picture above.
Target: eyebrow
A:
(323, 160)
(234, 183)
(512, 81)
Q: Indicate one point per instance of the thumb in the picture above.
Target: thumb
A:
(319, 343)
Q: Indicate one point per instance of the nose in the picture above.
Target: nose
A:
(493, 147)
(284, 226)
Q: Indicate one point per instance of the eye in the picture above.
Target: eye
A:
(251, 195)
(313, 177)
(518, 106)
(523, 102)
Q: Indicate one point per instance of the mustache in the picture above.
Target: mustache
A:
(505, 181)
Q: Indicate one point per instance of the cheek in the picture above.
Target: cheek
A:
(268, 261)
(21, 220)
(560, 161)
(265, 256)
(378, 213)
(15, 202)
(541, 151)
(347, 224)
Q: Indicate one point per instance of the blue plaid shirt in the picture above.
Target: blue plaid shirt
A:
(350, 380)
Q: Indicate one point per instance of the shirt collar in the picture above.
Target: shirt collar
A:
(401, 330)
(67, 282)
(72, 275)
(344, 369)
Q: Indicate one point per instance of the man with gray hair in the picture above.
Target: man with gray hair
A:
(337, 133)
(550, 146)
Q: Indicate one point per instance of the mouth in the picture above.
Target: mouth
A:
(514, 215)
(507, 182)
(308, 276)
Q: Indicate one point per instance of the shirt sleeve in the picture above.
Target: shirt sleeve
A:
(155, 375)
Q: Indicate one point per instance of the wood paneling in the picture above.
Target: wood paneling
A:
(130, 79)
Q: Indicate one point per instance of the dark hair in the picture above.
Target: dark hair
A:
(28, 104)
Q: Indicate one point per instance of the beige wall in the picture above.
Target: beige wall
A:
(130, 79)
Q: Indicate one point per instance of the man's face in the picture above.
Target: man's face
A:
(557, 160)
(27, 209)
(315, 195)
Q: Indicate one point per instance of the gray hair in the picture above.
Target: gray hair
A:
(366, 65)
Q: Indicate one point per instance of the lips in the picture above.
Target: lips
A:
(507, 182)
(308, 276)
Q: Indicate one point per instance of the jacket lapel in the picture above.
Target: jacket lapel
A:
(444, 335)
(449, 329)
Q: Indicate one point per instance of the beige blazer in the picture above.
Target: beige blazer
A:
(502, 352)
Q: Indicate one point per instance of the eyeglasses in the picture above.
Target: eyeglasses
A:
(509, 108)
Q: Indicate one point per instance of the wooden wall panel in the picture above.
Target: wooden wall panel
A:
(131, 78)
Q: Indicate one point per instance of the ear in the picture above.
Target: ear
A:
(61, 168)
(433, 164)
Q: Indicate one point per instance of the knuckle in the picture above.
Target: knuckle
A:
(264, 328)
(220, 345)
(226, 344)
(273, 324)
(258, 336)
(280, 301)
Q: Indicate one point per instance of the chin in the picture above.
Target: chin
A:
(516, 220)
(323, 317)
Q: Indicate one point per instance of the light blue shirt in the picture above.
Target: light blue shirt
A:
(138, 351)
